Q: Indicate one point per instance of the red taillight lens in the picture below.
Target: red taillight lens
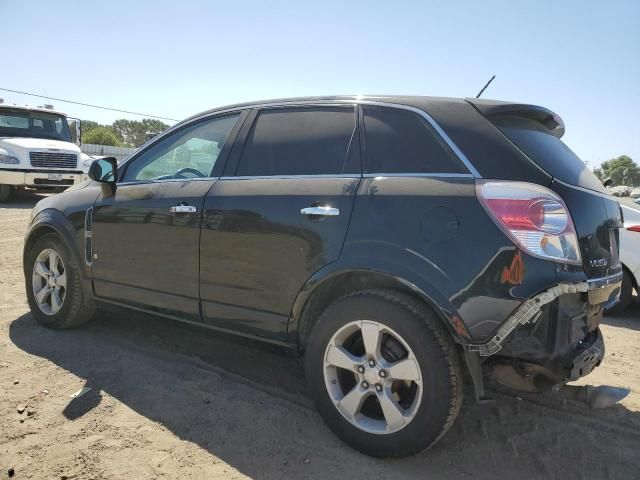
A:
(534, 217)
(634, 228)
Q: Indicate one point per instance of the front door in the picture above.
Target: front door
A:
(278, 215)
(146, 236)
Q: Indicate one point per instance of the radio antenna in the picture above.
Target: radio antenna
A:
(485, 87)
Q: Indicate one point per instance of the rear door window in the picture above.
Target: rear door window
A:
(302, 141)
(547, 151)
(401, 141)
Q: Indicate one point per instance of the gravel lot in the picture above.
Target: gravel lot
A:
(174, 401)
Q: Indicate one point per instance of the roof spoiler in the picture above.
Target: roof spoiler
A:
(545, 117)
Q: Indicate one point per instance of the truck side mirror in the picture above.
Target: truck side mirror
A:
(608, 182)
(104, 170)
(75, 128)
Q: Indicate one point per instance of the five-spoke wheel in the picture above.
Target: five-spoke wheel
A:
(383, 372)
(372, 377)
(49, 281)
(53, 277)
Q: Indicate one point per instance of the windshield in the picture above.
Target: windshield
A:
(26, 123)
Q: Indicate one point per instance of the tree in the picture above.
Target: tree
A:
(136, 132)
(101, 135)
(153, 127)
(127, 132)
(622, 170)
(88, 125)
(88, 129)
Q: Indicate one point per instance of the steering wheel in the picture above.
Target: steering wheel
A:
(180, 173)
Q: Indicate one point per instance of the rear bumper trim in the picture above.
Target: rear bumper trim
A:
(604, 281)
(603, 290)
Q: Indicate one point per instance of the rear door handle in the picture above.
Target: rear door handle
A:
(183, 209)
(325, 211)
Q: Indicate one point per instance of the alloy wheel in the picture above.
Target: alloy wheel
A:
(372, 377)
(49, 281)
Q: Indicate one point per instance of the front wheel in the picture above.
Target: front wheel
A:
(384, 373)
(54, 289)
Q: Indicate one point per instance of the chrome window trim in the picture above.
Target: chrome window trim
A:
(322, 103)
(424, 175)
(166, 180)
(285, 177)
(450, 143)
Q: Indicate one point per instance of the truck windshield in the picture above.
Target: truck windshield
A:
(32, 123)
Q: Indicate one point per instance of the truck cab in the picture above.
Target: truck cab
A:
(39, 149)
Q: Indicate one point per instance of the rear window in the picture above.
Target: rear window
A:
(548, 152)
(302, 141)
(400, 141)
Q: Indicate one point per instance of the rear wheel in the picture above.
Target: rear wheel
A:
(384, 373)
(54, 289)
(5, 192)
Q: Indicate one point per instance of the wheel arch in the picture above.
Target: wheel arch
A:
(326, 287)
(52, 221)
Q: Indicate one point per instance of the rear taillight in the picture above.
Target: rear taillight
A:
(634, 228)
(534, 217)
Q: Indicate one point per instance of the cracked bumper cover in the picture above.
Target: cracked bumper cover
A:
(602, 292)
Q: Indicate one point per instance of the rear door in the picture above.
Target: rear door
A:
(279, 214)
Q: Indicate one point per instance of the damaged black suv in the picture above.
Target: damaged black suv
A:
(396, 241)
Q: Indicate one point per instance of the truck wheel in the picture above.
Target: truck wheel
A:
(626, 294)
(5, 192)
(384, 373)
(53, 282)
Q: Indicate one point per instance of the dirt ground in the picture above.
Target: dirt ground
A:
(174, 401)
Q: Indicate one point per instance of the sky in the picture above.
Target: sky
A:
(175, 58)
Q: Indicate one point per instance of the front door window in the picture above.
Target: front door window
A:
(189, 153)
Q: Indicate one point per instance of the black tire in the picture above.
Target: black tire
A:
(436, 355)
(5, 192)
(76, 308)
(626, 295)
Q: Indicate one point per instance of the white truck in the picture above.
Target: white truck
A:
(39, 149)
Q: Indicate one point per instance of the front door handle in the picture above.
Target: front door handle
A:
(183, 209)
(325, 211)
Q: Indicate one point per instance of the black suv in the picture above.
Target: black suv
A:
(397, 241)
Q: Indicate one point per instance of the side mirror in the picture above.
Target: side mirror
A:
(104, 170)
(75, 128)
(607, 181)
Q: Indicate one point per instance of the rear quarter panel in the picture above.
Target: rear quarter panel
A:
(433, 233)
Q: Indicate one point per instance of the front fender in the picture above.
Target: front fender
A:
(51, 219)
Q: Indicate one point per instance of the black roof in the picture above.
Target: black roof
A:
(409, 100)
(484, 106)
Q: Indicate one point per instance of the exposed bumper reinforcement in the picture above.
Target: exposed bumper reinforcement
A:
(599, 291)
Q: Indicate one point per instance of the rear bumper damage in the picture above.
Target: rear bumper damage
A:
(601, 292)
(551, 339)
